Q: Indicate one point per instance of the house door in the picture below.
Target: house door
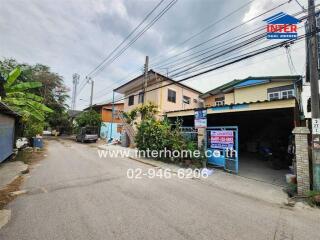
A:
(222, 146)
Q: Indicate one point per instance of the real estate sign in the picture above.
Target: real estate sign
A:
(222, 139)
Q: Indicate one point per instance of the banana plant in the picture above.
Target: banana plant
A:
(18, 97)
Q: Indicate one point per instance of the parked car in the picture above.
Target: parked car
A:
(87, 134)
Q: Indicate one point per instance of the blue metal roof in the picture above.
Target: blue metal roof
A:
(251, 82)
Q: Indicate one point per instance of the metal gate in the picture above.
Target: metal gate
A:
(190, 133)
(222, 147)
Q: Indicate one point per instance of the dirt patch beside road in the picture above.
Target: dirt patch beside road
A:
(5, 194)
(29, 157)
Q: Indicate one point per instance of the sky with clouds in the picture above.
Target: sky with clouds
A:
(74, 36)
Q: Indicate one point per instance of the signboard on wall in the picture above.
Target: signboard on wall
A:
(315, 126)
(200, 119)
(222, 139)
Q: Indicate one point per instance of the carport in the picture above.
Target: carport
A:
(264, 125)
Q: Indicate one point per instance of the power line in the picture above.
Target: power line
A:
(208, 27)
(237, 25)
(124, 40)
(220, 53)
(107, 61)
(265, 12)
(229, 30)
(233, 61)
(137, 37)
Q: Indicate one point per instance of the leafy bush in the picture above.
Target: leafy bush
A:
(88, 118)
(32, 126)
(160, 135)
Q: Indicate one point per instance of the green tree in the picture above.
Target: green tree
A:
(29, 105)
(88, 118)
(52, 89)
(20, 99)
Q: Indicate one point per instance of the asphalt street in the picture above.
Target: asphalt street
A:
(73, 194)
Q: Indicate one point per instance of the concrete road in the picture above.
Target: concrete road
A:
(73, 194)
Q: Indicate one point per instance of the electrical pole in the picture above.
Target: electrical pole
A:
(145, 83)
(75, 81)
(314, 85)
(91, 96)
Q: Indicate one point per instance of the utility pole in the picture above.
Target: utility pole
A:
(145, 83)
(75, 81)
(91, 96)
(314, 85)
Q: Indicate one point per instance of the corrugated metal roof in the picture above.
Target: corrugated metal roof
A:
(5, 109)
(228, 105)
(231, 84)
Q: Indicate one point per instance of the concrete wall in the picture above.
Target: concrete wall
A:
(181, 91)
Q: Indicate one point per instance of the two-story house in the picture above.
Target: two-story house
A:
(265, 110)
(162, 91)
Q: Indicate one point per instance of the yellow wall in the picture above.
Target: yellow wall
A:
(246, 94)
(256, 93)
(229, 98)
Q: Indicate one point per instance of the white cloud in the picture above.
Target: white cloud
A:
(75, 35)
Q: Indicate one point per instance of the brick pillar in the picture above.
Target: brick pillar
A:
(302, 159)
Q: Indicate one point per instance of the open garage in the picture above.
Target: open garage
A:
(264, 135)
(263, 138)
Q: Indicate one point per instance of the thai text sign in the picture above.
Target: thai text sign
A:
(222, 139)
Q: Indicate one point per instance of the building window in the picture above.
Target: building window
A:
(141, 97)
(287, 94)
(273, 96)
(282, 92)
(171, 96)
(219, 101)
(131, 100)
(281, 95)
(186, 100)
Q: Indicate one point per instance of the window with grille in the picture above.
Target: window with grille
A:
(219, 101)
(171, 96)
(274, 96)
(131, 100)
(141, 97)
(287, 94)
(186, 100)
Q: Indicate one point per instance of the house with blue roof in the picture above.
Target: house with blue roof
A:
(263, 111)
